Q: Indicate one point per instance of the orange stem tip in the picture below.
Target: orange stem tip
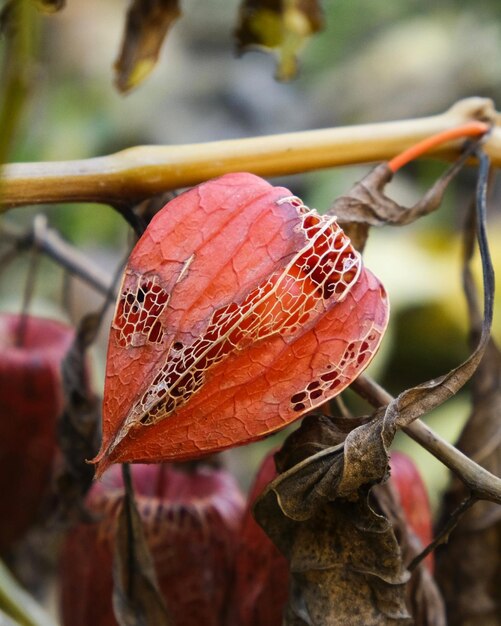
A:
(470, 129)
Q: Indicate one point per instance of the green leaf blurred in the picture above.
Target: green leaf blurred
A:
(19, 605)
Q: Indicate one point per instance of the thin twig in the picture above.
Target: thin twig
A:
(443, 534)
(482, 484)
(49, 242)
(143, 171)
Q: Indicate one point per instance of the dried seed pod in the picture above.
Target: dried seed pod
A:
(191, 521)
(31, 399)
(239, 311)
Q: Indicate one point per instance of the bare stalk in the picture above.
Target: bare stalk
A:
(142, 171)
(49, 242)
(482, 484)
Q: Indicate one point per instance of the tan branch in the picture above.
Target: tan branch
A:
(50, 242)
(139, 172)
(482, 484)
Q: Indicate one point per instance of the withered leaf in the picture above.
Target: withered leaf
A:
(304, 505)
(469, 567)
(367, 205)
(335, 471)
(136, 597)
(421, 399)
(280, 26)
(78, 428)
(423, 596)
(50, 6)
(345, 563)
(146, 27)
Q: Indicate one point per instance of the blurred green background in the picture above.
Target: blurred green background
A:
(374, 61)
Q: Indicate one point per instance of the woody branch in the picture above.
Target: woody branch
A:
(139, 172)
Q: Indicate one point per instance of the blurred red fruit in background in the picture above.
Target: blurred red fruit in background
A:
(214, 563)
(414, 499)
(191, 521)
(261, 581)
(31, 353)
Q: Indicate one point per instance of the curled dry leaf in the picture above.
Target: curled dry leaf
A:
(421, 399)
(316, 535)
(337, 470)
(469, 566)
(78, 427)
(146, 27)
(342, 546)
(367, 205)
(50, 6)
(404, 502)
(190, 521)
(240, 310)
(282, 26)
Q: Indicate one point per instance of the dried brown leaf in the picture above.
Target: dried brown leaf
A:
(419, 400)
(335, 471)
(423, 596)
(325, 495)
(469, 567)
(366, 204)
(146, 27)
(280, 26)
(137, 600)
(50, 6)
(345, 562)
(78, 428)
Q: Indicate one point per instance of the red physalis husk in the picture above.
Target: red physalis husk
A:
(31, 399)
(414, 500)
(191, 521)
(239, 311)
(261, 581)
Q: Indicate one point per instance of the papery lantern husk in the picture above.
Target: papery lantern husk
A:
(240, 310)
(191, 520)
(261, 581)
(31, 353)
